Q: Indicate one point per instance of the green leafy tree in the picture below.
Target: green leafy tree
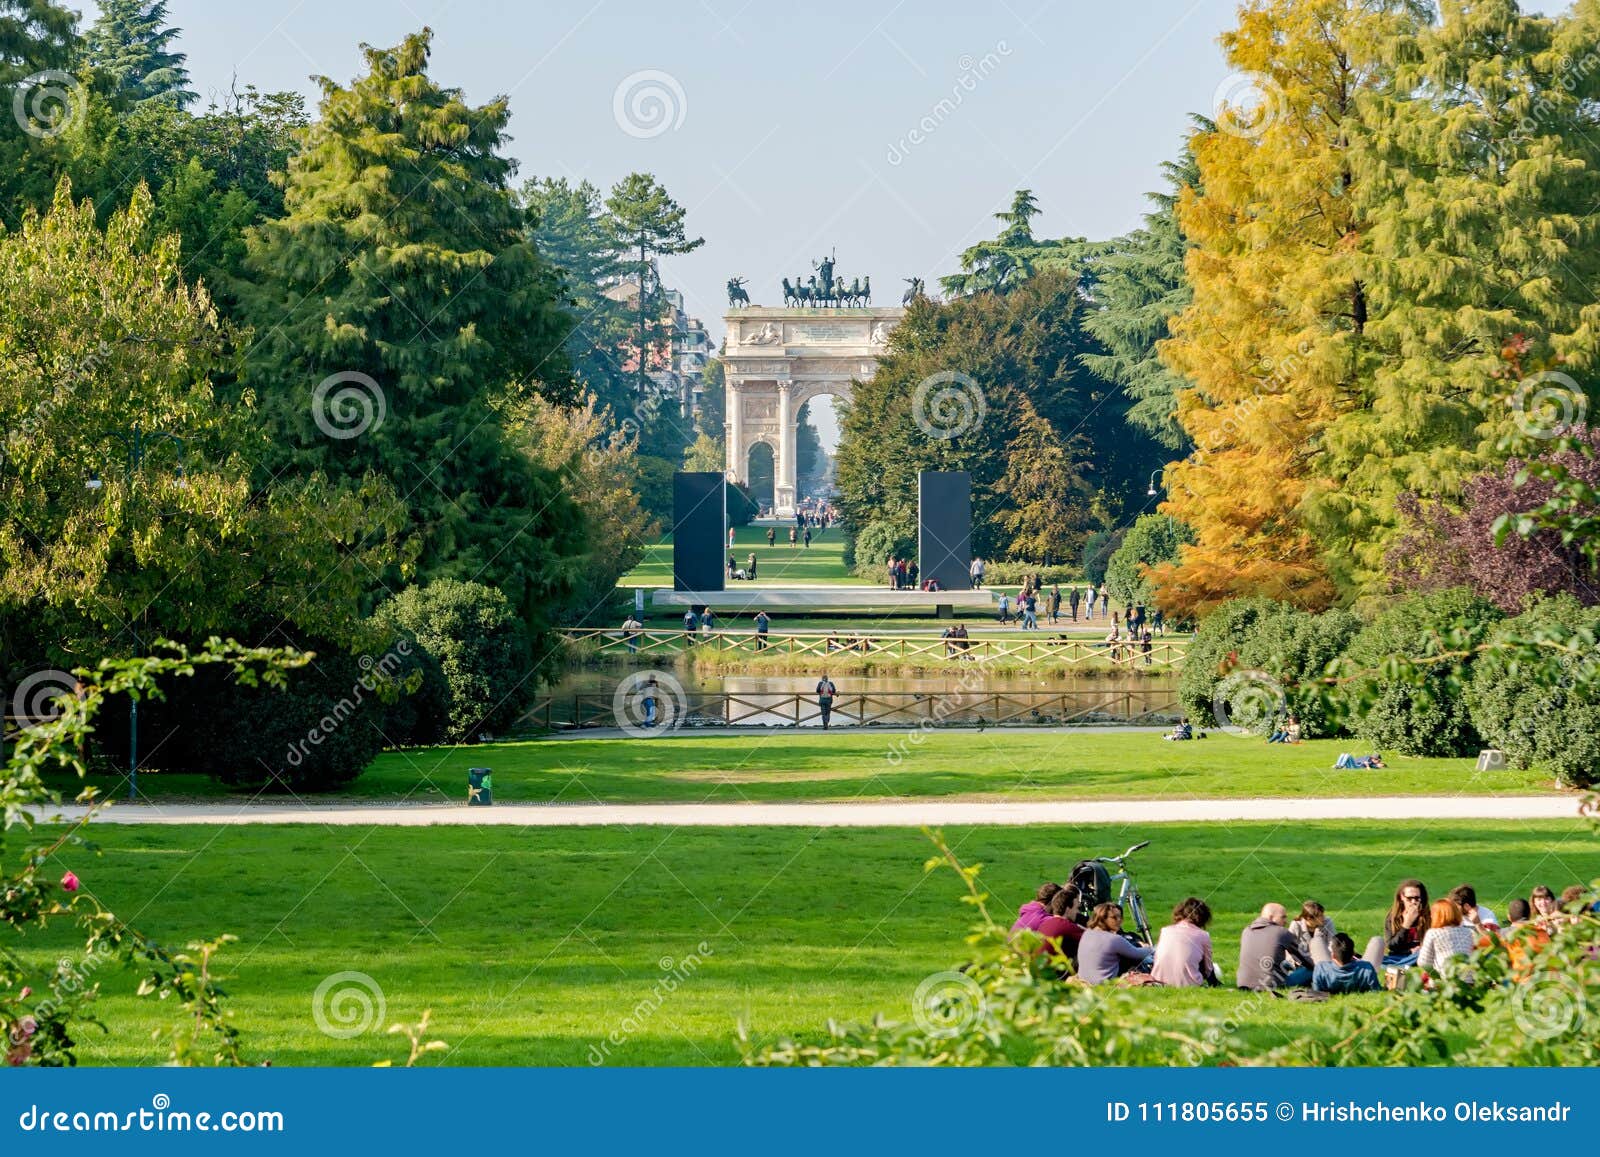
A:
(1140, 284)
(126, 504)
(399, 308)
(992, 384)
(1153, 539)
(131, 43)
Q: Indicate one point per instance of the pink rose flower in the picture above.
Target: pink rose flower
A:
(69, 882)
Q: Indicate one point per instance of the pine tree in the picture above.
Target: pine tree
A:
(1140, 285)
(1481, 230)
(399, 308)
(647, 225)
(1015, 255)
(1275, 340)
(131, 43)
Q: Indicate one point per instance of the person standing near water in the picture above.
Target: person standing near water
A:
(825, 693)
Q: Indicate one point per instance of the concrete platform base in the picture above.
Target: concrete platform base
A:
(746, 597)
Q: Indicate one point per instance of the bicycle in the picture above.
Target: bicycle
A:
(1095, 886)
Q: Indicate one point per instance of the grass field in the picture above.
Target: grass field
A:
(531, 947)
(786, 764)
(780, 565)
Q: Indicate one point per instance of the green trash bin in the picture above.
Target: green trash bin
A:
(480, 787)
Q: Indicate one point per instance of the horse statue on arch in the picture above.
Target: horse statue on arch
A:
(736, 294)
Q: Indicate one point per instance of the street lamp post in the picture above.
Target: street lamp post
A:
(136, 441)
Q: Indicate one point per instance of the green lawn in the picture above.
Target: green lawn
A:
(532, 946)
(785, 764)
(780, 565)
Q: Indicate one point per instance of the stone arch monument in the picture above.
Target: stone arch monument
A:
(777, 359)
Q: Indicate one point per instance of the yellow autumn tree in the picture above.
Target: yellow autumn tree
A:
(1273, 342)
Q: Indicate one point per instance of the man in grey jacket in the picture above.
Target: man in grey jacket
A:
(1269, 954)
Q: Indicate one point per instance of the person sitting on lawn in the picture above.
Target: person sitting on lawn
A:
(1343, 972)
(1288, 733)
(1062, 935)
(1446, 938)
(1473, 914)
(1269, 954)
(1180, 732)
(1032, 914)
(1104, 953)
(1314, 931)
(1403, 928)
(1546, 908)
(1183, 950)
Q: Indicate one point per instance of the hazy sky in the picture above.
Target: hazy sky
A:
(786, 129)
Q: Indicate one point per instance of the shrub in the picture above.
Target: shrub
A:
(1422, 712)
(873, 545)
(1153, 538)
(1517, 708)
(1007, 574)
(318, 733)
(1262, 660)
(480, 647)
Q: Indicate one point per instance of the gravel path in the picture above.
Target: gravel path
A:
(890, 814)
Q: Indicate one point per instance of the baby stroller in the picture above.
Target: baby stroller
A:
(1097, 885)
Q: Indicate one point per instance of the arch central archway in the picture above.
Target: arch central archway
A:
(761, 470)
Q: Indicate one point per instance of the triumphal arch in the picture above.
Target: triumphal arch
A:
(779, 357)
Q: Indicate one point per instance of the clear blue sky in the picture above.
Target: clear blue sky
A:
(790, 112)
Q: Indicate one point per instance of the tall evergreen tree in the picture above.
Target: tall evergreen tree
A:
(35, 36)
(1015, 254)
(647, 225)
(131, 44)
(1140, 285)
(398, 307)
(1481, 230)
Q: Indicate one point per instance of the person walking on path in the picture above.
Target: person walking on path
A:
(772, 536)
(1072, 601)
(763, 624)
(1005, 608)
(1030, 612)
(825, 693)
(1054, 605)
(976, 571)
(808, 538)
(793, 536)
(893, 573)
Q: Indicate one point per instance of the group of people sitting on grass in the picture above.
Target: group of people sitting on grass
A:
(1307, 952)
